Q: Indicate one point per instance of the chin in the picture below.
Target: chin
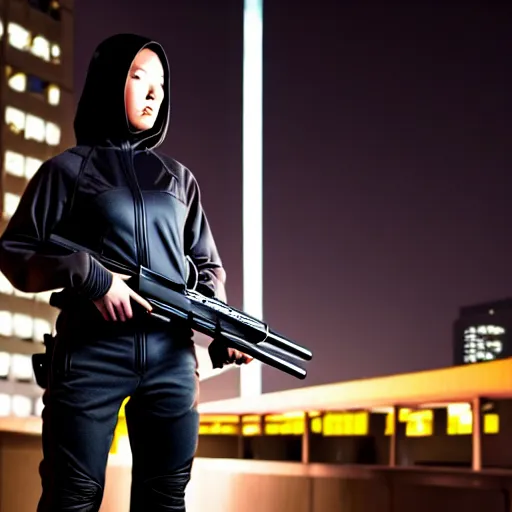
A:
(144, 124)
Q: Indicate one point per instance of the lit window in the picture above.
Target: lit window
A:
(5, 323)
(39, 406)
(459, 419)
(5, 286)
(15, 119)
(53, 94)
(31, 166)
(44, 296)
(21, 406)
(14, 163)
(41, 47)
(55, 51)
(23, 295)
(23, 326)
(491, 423)
(21, 367)
(19, 37)
(34, 128)
(5, 364)
(11, 202)
(346, 424)
(420, 423)
(5, 405)
(18, 82)
(52, 134)
(41, 327)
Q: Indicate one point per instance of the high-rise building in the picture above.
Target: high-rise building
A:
(36, 102)
(482, 332)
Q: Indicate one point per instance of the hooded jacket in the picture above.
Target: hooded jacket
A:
(112, 193)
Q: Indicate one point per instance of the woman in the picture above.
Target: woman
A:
(114, 195)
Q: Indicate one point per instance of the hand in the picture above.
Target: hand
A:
(237, 357)
(115, 304)
(220, 354)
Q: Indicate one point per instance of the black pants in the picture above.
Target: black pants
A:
(90, 376)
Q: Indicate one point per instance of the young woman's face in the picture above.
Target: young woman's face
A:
(144, 91)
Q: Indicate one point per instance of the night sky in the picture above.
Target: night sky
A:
(387, 167)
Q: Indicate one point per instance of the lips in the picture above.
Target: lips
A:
(148, 111)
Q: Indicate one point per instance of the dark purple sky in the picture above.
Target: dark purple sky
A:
(387, 164)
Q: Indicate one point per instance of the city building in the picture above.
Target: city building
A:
(481, 332)
(37, 104)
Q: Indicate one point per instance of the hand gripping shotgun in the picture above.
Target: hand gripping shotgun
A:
(207, 315)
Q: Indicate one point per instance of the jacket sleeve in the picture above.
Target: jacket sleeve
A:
(200, 246)
(28, 261)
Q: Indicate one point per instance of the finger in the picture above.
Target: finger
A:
(143, 302)
(119, 309)
(110, 310)
(101, 308)
(127, 309)
(124, 277)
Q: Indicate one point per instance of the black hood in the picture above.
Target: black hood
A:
(101, 116)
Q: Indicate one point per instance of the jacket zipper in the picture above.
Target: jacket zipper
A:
(141, 243)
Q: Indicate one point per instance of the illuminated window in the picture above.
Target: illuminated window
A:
(316, 425)
(420, 423)
(23, 295)
(55, 52)
(41, 48)
(5, 364)
(23, 326)
(41, 327)
(15, 119)
(52, 134)
(6, 323)
(491, 423)
(212, 424)
(19, 37)
(5, 286)
(5, 405)
(251, 425)
(35, 128)
(21, 406)
(31, 166)
(11, 202)
(44, 296)
(460, 419)
(18, 82)
(483, 343)
(39, 406)
(346, 424)
(53, 92)
(290, 423)
(21, 367)
(14, 163)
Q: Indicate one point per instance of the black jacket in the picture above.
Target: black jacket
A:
(113, 194)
